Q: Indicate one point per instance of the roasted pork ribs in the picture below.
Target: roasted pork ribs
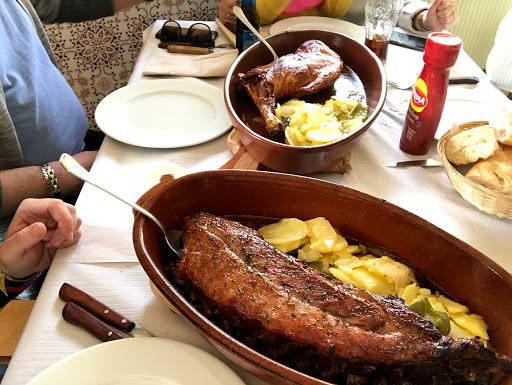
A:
(312, 68)
(284, 309)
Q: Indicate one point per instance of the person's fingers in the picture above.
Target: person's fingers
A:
(436, 4)
(66, 243)
(60, 242)
(442, 5)
(226, 8)
(452, 21)
(57, 238)
(65, 217)
(449, 15)
(18, 258)
(25, 239)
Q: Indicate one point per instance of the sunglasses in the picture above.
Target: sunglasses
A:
(197, 35)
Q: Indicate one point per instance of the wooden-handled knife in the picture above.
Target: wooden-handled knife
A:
(94, 316)
(77, 316)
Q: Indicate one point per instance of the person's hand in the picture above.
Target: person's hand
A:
(38, 229)
(441, 15)
(226, 15)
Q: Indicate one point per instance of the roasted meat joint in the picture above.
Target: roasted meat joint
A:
(286, 310)
(310, 69)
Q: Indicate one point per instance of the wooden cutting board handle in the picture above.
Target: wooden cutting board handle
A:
(241, 161)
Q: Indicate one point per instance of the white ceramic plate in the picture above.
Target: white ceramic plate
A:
(323, 23)
(139, 361)
(164, 113)
(460, 108)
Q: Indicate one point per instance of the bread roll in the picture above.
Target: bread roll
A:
(471, 145)
(503, 125)
(495, 172)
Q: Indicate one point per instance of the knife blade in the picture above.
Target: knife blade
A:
(102, 312)
(419, 162)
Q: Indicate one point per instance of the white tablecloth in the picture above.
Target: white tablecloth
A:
(104, 264)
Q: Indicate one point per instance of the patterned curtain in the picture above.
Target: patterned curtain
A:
(97, 57)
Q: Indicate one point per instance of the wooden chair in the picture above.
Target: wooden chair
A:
(13, 318)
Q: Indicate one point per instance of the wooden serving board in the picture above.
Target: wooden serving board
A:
(244, 161)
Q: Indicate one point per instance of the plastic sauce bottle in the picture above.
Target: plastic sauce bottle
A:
(244, 37)
(429, 94)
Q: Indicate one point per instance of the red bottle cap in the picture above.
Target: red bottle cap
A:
(442, 49)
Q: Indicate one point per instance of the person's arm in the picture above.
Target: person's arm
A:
(226, 15)
(419, 16)
(269, 10)
(38, 229)
(29, 182)
(61, 11)
(335, 8)
(499, 61)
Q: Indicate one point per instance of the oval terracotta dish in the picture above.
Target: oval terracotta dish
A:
(363, 74)
(464, 273)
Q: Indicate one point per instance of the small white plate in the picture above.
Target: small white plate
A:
(164, 113)
(323, 23)
(139, 361)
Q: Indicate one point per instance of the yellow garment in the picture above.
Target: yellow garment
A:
(270, 10)
(2, 283)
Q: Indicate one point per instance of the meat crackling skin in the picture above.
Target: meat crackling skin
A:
(286, 310)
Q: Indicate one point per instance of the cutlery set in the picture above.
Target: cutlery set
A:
(98, 319)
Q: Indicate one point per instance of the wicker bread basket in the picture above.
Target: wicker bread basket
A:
(490, 201)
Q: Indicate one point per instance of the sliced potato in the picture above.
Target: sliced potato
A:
(471, 322)
(294, 137)
(288, 246)
(370, 282)
(324, 135)
(284, 231)
(409, 293)
(320, 228)
(310, 255)
(452, 306)
(342, 275)
(395, 272)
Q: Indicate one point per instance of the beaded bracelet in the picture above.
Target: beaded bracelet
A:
(52, 184)
(17, 285)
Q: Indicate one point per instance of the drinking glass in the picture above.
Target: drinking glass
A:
(381, 18)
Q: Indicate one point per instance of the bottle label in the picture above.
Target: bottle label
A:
(249, 39)
(419, 99)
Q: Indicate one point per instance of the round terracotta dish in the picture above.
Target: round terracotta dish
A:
(363, 73)
(465, 274)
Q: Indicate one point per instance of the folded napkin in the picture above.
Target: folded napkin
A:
(178, 64)
(161, 62)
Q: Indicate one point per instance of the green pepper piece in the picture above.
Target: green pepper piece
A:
(439, 319)
(442, 322)
(420, 307)
(286, 120)
(355, 109)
